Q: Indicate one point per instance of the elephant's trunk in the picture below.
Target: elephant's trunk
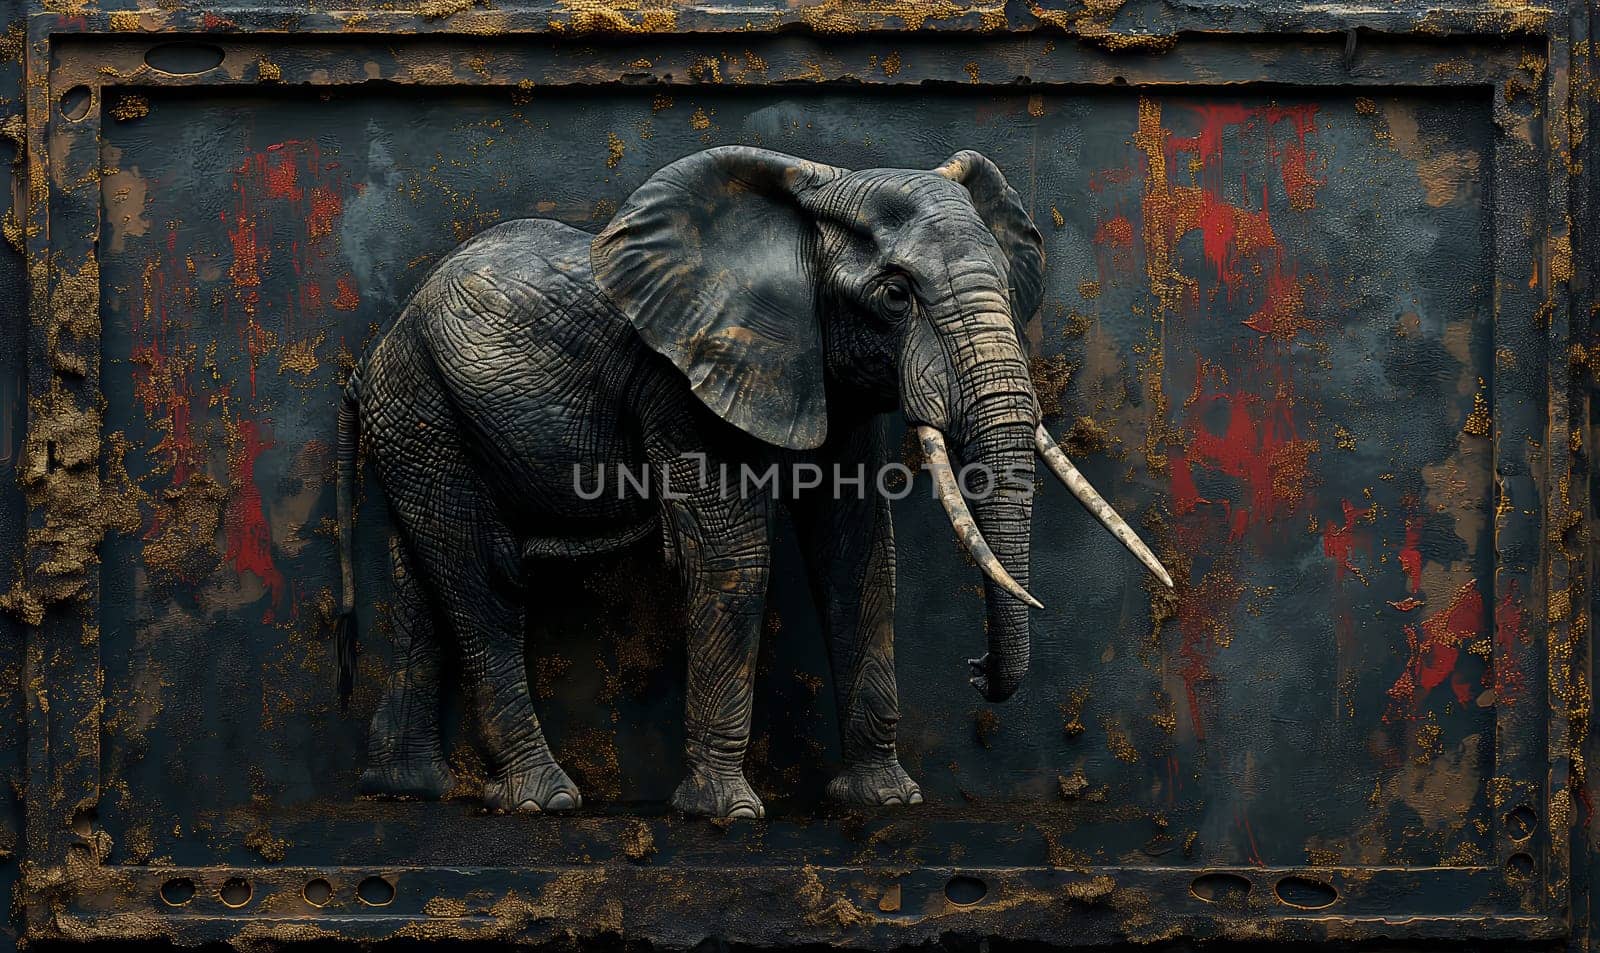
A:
(1005, 517)
(948, 485)
(997, 539)
(987, 410)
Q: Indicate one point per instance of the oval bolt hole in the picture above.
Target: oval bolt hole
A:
(965, 891)
(1520, 822)
(1305, 893)
(1220, 888)
(184, 59)
(1520, 865)
(75, 102)
(235, 892)
(375, 892)
(318, 892)
(177, 891)
(83, 821)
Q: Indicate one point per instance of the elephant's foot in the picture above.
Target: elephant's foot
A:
(874, 784)
(539, 787)
(717, 794)
(423, 778)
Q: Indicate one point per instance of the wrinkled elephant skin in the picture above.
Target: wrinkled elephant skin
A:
(743, 308)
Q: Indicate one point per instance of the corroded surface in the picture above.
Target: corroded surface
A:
(1301, 331)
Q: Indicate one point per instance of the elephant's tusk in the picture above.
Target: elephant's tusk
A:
(944, 480)
(1057, 460)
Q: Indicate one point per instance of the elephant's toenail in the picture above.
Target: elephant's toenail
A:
(892, 800)
(916, 797)
(561, 801)
(743, 811)
(529, 805)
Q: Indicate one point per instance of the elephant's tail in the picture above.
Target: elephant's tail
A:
(344, 626)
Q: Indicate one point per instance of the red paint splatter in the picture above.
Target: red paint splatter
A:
(1115, 232)
(248, 253)
(1229, 232)
(257, 343)
(1214, 119)
(162, 357)
(1259, 448)
(289, 183)
(286, 205)
(1283, 314)
(348, 299)
(1505, 673)
(1411, 555)
(1185, 497)
(1240, 441)
(1445, 632)
(244, 522)
(1339, 541)
(1109, 178)
(326, 207)
(1435, 652)
(279, 174)
(1298, 182)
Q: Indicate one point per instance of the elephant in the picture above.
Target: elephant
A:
(742, 308)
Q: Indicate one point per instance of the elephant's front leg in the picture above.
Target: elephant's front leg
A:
(848, 541)
(724, 558)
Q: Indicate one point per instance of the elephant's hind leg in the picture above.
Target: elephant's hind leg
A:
(405, 755)
(473, 568)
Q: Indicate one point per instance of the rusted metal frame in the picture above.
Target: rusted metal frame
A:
(296, 60)
(40, 838)
(51, 831)
(1521, 384)
(1563, 512)
(836, 20)
(1566, 490)
(741, 904)
(1581, 109)
(13, 339)
(62, 673)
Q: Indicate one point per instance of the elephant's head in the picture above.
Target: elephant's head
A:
(787, 291)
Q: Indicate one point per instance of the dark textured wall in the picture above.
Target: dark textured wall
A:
(252, 243)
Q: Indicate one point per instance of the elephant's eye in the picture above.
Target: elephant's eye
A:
(894, 296)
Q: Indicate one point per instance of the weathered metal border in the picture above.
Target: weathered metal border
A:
(69, 891)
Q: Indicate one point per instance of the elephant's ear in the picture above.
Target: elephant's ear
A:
(711, 259)
(1013, 228)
